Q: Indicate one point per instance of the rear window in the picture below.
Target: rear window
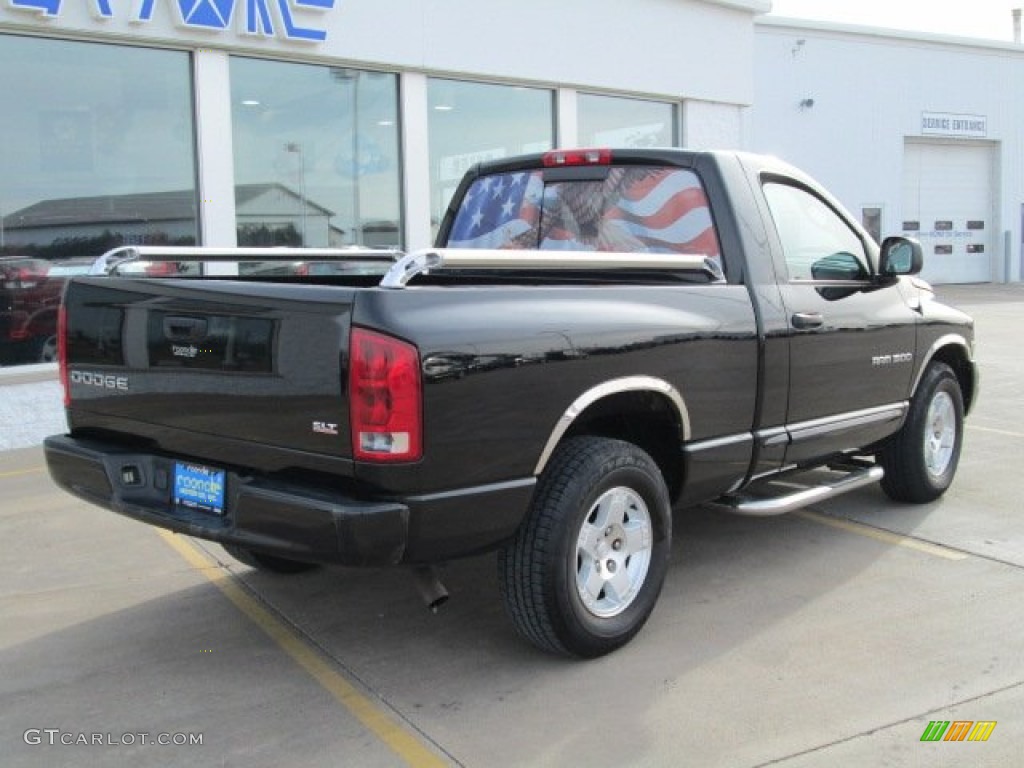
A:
(633, 210)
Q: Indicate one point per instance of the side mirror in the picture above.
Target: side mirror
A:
(900, 256)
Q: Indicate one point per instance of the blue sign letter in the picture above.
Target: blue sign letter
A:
(45, 7)
(293, 32)
(257, 18)
(209, 14)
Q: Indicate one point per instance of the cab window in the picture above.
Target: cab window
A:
(817, 244)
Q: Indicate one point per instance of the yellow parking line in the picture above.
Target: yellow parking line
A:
(879, 535)
(21, 472)
(402, 741)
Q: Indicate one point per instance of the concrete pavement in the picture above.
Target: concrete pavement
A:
(31, 405)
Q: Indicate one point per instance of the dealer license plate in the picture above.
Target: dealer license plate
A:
(199, 488)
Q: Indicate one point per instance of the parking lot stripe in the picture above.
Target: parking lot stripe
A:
(401, 740)
(21, 472)
(1006, 432)
(878, 534)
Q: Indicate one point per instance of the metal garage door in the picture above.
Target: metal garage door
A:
(948, 204)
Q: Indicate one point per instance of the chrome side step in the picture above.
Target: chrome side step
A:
(780, 505)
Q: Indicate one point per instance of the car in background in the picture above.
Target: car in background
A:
(30, 292)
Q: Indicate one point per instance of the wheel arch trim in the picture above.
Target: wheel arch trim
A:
(945, 342)
(607, 389)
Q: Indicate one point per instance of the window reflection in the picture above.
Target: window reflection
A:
(472, 122)
(316, 155)
(96, 150)
(613, 121)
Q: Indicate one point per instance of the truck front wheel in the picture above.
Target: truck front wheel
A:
(583, 573)
(922, 458)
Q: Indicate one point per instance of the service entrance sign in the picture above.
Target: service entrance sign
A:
(954, 125)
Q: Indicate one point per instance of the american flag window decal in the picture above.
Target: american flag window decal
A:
(500, 211)
(633, 210)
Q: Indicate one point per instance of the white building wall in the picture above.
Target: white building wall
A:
(710, 125)
(869, 89)
(657, 47)
(654, 47)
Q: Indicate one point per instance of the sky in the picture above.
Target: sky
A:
(989, 19)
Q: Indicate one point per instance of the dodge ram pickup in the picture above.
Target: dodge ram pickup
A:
(599, 338)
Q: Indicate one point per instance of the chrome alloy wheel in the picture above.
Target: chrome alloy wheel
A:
(940, 434)
(48, 350)
(613, 552)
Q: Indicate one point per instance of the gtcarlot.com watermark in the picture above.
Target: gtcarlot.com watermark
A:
(55, 737)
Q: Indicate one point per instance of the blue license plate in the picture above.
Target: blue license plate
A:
(199, 488)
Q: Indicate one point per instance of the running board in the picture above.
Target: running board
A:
(780, 505)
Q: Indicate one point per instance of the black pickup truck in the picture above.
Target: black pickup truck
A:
(601, 336)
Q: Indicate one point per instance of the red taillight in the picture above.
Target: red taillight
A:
(562, 157)
(384, 398)
(62, 352)
(161, 269)
(23, 278)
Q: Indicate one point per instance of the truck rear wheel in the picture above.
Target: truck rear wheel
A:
(583, 573)
(265, 562)
(922, 458)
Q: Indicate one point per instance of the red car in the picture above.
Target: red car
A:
(30, 291)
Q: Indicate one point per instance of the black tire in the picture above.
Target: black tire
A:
(587, 595)
(921, 460)
(265, 562)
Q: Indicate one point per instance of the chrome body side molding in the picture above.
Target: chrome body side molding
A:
(816, 427)
(719, 442)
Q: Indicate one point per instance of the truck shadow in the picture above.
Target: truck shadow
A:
(738, 588)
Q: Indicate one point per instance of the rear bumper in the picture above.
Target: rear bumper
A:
(299, 522)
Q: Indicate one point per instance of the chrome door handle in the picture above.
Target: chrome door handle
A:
(806, 320)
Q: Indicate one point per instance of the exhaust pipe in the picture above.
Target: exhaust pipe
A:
(429, 585)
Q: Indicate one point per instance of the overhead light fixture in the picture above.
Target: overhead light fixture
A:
(443, 96)
(250, 103)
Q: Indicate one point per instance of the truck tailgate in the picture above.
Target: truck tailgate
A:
(246, 363)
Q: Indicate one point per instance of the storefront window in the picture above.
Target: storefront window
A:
(472, 122)
(316, 155)
(96, 150)
(612, 121)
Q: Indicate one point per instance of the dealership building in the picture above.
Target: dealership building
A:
(916, 134)
(338, 122)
